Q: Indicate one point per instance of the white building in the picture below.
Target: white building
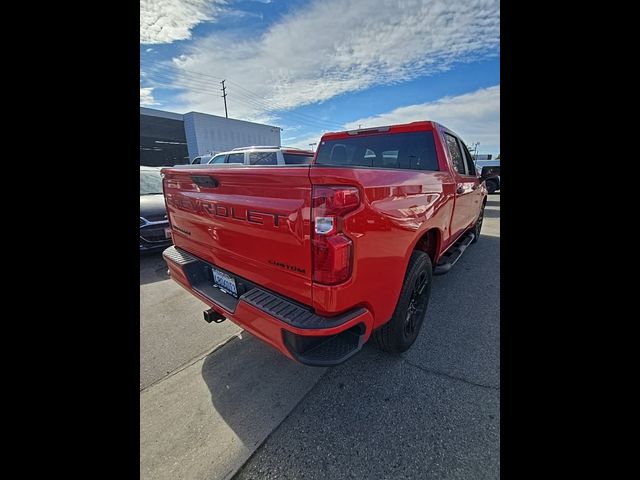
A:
(168, 138)
(212, 134)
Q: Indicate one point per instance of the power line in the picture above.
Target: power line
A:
(194, 81)
(256, 103)
(168, 82)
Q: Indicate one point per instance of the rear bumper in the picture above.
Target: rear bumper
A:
(292, 328)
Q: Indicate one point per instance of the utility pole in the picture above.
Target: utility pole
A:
(224, 95)
(313, 145)
(475, 148)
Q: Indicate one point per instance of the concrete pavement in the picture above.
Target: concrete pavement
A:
(432, 412)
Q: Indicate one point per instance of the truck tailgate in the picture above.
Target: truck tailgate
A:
(252, 221)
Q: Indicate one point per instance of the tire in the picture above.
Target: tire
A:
(399, 333)
(492, 185)
(478, 225)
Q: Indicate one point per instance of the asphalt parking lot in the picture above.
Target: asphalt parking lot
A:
(216, 403)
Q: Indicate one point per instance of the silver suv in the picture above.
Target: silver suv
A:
(260, 155)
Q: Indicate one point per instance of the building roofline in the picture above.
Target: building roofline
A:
(152, 112)
(230, 119)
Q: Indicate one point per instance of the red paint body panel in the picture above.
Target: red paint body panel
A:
(257, 222)
(398, 206)
(256, 219)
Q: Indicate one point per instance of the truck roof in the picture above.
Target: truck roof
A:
(420, 126)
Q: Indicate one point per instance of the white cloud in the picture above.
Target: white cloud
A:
(474, 116)
(304, 142)
(146, 96)
(337, 46)
(165, 21)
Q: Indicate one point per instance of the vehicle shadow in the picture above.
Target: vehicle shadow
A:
(430, 411)
(153, 268)
(252, 384)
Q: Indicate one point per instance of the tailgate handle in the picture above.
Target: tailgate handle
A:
(205, 181)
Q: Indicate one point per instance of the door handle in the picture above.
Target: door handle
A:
(460, 190)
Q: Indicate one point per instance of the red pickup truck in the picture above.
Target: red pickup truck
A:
(315, 259)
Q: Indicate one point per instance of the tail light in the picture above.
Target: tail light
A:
(332, 251)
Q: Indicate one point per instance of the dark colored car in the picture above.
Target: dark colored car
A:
(154, 226)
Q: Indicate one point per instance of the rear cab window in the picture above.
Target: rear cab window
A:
(409, 150)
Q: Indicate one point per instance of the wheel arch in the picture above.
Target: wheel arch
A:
(429, 242)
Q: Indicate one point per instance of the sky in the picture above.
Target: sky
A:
(312, 66)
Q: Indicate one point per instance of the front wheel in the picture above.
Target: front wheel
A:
(492, 186)
(399, 333)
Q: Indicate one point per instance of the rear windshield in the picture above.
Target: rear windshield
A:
(414, 150)
(297, 159)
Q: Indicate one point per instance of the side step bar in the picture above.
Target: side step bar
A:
(454, 253)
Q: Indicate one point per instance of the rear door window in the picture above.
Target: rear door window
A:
(456, 154)
(468, 160)
(411, 150)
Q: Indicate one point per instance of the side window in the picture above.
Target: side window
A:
(235, 158)
(456, 154)
(296, 159)
(468, 159)
(218, 159)
(196, 161)
(263, 158)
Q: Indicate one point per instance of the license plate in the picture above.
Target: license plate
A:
(224, 282)
(167, 232)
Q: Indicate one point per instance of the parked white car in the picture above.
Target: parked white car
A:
(263, 155)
